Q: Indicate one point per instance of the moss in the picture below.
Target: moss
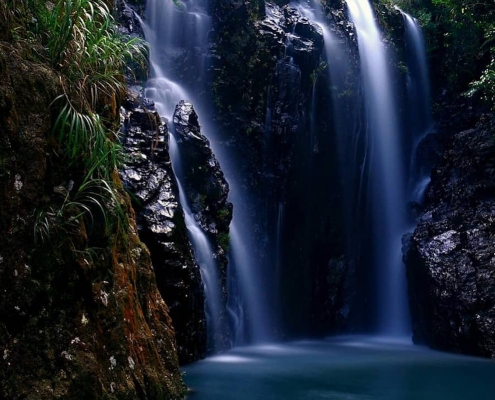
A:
(224, 241)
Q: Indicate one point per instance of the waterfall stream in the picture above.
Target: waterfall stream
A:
(177, 32)
(386, 170)
(373, 174)
(419, 102)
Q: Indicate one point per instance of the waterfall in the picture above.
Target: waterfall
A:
(348, 140)
(167, 29)
(386, 172)
(419, 103)
(177, 32)
(174, 31)
(418, 83)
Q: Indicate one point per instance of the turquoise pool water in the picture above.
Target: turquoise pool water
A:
(347, 368)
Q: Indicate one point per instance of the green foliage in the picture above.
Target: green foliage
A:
(85, 139)
(485, 85)
(224, 241)
(92, 196)
(84, 44)
(78, 38)
(224, 215)
(461, 38)
(319, 70)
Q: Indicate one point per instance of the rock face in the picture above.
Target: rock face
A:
(450, 257)
(205, 188)
(269, 84)
(204, 183)
(78, 319)
(149, 177)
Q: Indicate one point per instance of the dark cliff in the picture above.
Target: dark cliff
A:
(148, 175)
(80, 315)
(270, 85)
(206, 191)
(450, 255)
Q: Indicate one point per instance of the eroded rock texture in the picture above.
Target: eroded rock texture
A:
(206, 191)
(80, 313)
(450, 257)
(149, 177)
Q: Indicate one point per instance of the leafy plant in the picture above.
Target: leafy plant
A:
(459, 37)
(92, 196)
(485, 85)
(83, 45)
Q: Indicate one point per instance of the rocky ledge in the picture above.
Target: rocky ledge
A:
(450, 257)
(206, 190)
(149, 177)
(80, 315)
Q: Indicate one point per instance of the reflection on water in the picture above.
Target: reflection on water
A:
(344, 368)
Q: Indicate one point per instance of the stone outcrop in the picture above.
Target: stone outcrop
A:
(204, 183)
(148, 175)
(206, 191)
(450, 257)
(80, 315)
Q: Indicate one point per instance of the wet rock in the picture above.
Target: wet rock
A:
(148, 175)
(287, 28)
(267, 75)
(205, 187)
(204, 182)
(127, 17)
(450, 256)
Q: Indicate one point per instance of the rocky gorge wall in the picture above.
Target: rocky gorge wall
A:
(148, 175)
(450, 256)
(266, 63)
(77, 320)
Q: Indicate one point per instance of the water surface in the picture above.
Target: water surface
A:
(349, 368)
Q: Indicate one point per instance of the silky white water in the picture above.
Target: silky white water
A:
(419, 104)
(386, 170)
(176, 32)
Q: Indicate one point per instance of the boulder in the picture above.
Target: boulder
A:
(450, 257)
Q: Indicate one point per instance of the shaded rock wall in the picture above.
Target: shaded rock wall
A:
(80, 315)
(148, 175)
(206, 191)
(204, 182)
(450, 256)
(266, 66)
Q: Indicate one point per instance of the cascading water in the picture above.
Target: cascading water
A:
(247, 303)
(336, 55)
(174, 31)
(419, 103)
(177, 32)
(386, 175)
(418, 84)
(165, 28)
